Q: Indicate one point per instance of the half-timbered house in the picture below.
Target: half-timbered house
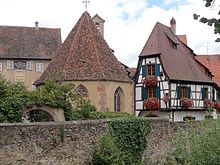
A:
(169, 81)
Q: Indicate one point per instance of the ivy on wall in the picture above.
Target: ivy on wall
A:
(125, 143)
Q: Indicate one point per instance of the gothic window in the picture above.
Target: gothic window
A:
(118, 100)
(82, 91)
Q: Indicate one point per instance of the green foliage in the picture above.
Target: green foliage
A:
(210, 21)
(62, 132)
(198, 145)
(55, 95)
(13, 98)
(108, 115)
(107, 152)
(88, 114)
(127, 134)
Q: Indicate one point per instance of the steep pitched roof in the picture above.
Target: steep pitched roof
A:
(85, 55)
(177, 59)
(28, 42)
(213, 63)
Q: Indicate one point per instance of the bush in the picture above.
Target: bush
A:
(13, 98)
(198, 145)
(127, 134)
(107, 153)
(108, 115)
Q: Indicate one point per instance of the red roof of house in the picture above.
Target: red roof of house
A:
(85, 55)
(177, 59)
(213, 63)
(28, 42)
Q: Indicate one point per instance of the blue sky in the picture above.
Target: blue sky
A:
(128, 23)
(166, 4)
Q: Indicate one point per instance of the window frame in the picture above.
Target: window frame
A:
(39, 67)
(151, 69)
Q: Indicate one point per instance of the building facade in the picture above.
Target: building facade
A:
(25, 52)
(169, 81)
(86, 60)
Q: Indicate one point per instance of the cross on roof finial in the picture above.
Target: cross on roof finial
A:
(86, 3)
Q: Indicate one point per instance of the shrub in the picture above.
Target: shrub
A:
(107, 152)
(127, 134)
(13, 97)
(198, 145)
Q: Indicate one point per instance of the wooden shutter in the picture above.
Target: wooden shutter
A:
(157, 69)
(179, 94)
(158, 92)
(189, 92)
(144, 92)
(144, 73)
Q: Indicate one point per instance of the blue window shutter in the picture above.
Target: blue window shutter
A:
(144, 93)
(203, 93)
(157, 69)
(179, 94)
(158, 92)
(189, 92)
(144, 73)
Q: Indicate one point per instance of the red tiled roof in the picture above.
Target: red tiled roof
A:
(178, 63)
(28, 42)
(85, 55)
(213, 63)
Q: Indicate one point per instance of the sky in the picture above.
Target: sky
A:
(128, 23)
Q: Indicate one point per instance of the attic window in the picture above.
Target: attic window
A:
(173, 41)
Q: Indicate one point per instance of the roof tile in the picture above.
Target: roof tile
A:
(85, 55)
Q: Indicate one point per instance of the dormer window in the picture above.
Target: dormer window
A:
(173, 41)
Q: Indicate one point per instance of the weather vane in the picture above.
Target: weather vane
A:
(86, 3)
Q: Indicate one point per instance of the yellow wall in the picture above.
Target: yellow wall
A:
(29, 76)
(106, 89)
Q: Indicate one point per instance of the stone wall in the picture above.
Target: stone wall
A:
(49, 143)
(72, 142)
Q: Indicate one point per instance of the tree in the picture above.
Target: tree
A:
(13, 97)
(210, 21)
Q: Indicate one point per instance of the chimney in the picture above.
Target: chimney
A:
(36, 25)
(173, 25)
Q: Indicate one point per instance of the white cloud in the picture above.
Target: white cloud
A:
(128, 23)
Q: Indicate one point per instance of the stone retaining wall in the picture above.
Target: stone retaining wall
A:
(71, 143)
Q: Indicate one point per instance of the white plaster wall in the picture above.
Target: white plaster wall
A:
(178, 115)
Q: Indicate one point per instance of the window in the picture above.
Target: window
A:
(19, 65)
(29, 65)
(1, 68)
(151, 69)
(82, 91)
(205, 93)
(10, 64)
(39, 67)
(184, 92)
(118, 100)
(151, 92)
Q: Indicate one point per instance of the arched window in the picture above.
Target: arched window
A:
(82, 91)
(118, 100)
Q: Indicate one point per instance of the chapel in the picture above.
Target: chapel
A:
(86, 60)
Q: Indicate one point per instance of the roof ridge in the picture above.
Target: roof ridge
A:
(158, 38)
(96, 50)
